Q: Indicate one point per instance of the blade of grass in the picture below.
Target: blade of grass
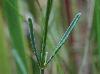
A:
(33, 39)
(65, 36)
(5, 67)
(14, 8)
(19, 61)
(16, 32)
(96, 22)
(45, 30)
(35, 67)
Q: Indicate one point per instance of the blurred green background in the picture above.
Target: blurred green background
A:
(79, 55)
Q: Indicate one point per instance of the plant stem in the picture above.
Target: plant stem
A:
(45, 31)
(41, 71)
(32, 39)
(65, 36)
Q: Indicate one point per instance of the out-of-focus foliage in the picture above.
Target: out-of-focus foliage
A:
(5, 67)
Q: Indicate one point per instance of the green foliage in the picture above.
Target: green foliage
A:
(44, 61)
(32, 40)
(5, 67)
(16, 33)
(65, 36)
(45, 31)
(11, 12)
(96, 27)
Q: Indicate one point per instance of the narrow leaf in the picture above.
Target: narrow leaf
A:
(16, 32)
(32, 38)
(19, 61)
(45, 30)
(65, 36)
(5, 67)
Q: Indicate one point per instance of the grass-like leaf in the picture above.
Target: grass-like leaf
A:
(45, 30)
(32, 39)
(19, 61)
(65, 36)
(5, 67)
(96, 26)
(16, 31)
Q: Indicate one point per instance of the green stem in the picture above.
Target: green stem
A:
(65, 36)
(32, 39)
(45, 31)
(41, 71)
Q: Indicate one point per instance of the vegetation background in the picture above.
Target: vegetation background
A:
(79, 55)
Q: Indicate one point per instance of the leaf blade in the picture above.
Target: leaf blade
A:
(65, 36)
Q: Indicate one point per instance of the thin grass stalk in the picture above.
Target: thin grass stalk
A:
(45, 31)
(32, 39)
(65, 36)
(5, 66)
(16, 32)
(97, 10)
(19, 61)
(96, 22)
(41, 71)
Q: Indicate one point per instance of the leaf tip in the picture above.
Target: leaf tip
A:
(79, 14)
